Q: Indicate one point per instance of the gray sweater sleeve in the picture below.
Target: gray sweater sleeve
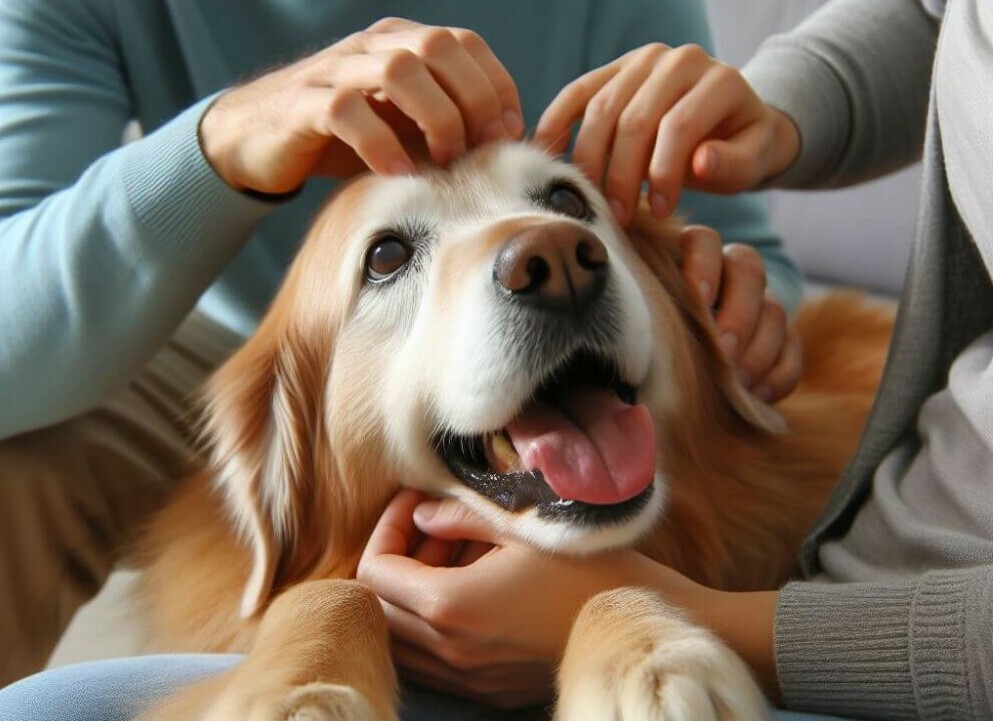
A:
(854, 77)
(920, 649)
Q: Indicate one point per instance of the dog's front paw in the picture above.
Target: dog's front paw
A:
(312, 702)
(633, 659)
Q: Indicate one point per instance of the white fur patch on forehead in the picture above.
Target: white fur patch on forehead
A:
(392, 200)
(493, 180)
(518, 165)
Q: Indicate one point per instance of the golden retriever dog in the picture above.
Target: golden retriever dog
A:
(488, 333)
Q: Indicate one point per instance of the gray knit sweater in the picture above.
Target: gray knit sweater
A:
(897, 619)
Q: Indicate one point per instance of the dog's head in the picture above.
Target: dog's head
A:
(485, 332)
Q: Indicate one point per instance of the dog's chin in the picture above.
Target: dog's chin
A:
(489, 467)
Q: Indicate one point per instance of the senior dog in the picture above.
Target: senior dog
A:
(487, 332)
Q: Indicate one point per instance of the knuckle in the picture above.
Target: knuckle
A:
(441, 613)
(690, 55)
(746, 260)
(655, 49)
(384, 24)
(436, 42)
(725, 74)
(775, 311)
(400, 64)
(602, 107)
(636, 123)
(470, 40)
(676, 123)
(342, 103)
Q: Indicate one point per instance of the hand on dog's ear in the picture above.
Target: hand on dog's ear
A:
(671, 252)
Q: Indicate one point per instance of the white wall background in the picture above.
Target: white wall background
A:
(858, 235)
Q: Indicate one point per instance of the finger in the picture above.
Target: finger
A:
(702, 253)
(731, 165)
(458, 73)
(785, 375)
(503, 83)
(395, 532)
(393, 25)
(406, 582)
(596, 132)
(407, 83)
(453, 520)
(638, 127)
(411, 629)
(346, 115)
(761, 354)
(712, 101)
(740, 300)
(435, 551)
(555, 125)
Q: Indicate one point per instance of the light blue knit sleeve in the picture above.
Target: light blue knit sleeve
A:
(103, 249)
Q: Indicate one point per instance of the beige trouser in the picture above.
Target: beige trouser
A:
(72, 494)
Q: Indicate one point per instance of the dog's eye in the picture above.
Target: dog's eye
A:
(566, 200)
(387, 255)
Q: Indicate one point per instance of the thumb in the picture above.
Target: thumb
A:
(452, 520)
(731, 165)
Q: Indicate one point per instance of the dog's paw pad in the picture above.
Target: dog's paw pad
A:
(326, 702)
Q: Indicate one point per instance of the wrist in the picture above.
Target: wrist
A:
(210, 135)
(787, 143)
(745, 621)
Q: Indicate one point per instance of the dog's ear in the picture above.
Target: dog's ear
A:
(657, 243)
(265, 431)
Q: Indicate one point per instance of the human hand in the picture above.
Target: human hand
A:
(673, 116)
(753, 329)
(362, 103)
(494, 628)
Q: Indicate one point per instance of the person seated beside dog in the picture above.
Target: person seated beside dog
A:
(130, 272)
(895, 620)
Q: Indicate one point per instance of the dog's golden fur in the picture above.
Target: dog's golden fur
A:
(739, 496)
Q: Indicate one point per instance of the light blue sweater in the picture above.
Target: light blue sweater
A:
(104, 249)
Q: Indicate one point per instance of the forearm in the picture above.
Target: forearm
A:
(854, 78)
(100, 273)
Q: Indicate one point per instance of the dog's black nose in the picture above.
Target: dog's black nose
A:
(553, 266)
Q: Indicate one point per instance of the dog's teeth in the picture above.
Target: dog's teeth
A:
(504, 453)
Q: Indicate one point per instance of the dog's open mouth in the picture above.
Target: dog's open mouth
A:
(580, 448)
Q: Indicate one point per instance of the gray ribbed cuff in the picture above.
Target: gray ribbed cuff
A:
(906, 650)
(179, 200)
(803, 86)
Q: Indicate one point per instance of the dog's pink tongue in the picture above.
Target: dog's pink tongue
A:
(602, 452)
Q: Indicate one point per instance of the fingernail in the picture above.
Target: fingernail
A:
(659, 204)
(494, 130)
(617, 207)
(424, 512)
(513, 122)
(451, 153)
(402, 167)
(729, 342)
(709, 164)
(764, 393)
(705, 292)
